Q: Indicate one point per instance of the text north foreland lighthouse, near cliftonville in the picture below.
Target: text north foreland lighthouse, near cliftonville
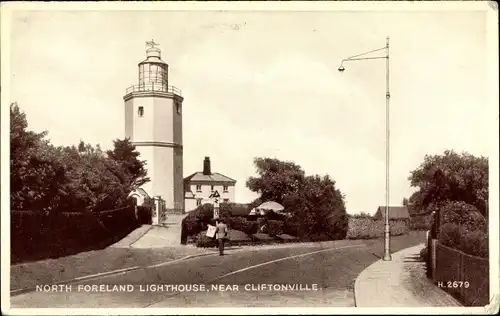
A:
(104, 288)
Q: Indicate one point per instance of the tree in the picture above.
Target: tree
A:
(320, 207)
(404, 202)
(311, 201)
(450, 177)
(125, 154)
(276, 180)
(69, 178)
(35, 175)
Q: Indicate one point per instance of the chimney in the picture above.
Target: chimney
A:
(206, 166)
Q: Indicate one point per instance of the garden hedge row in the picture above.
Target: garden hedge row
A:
(367, 228)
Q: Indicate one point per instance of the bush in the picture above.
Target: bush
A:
(337, 226)
(41, 235)
(361, 215)
(198, 219)
(235, 209)
(474, 243)
(203, 241)
(242, 224)
(421, 222)
(449, 235)
(292, 227)
(191, 225)
(274, 228)
(365, 228)
(465, 215)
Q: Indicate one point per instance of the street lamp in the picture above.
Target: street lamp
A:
(387, 234)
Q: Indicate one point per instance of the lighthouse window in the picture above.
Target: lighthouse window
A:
(140, 111)
(178, 107)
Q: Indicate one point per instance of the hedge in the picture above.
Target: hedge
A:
(198, 219)
(242, 224)
(40, 235)
(202, 240)
(421, 222)
(366, 228)
(292, 228)
(463, 214)
(273, 228)
(474, 243)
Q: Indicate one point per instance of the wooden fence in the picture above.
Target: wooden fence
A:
(464, 276)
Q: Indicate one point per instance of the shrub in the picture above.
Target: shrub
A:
(191, 225)
(337, 226)
(274, 228)
(421, 222)
(292, 227)
(475, 243)
(365, 228)
(203, 241)
(242, 224)
(465, 215)
(361, 215)
(271, 215)
(449, 235)
(198, 219)
(235, 209)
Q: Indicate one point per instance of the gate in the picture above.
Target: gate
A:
(159, 211)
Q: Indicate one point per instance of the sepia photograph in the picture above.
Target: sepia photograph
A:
(249, 158)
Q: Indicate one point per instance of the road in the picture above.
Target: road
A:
(332, 267)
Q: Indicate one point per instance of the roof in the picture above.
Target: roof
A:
(214, 177)
(140, 191)
(395, 212)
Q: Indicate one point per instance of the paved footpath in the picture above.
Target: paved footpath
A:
(400, 283)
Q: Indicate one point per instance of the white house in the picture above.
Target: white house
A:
(200, 185)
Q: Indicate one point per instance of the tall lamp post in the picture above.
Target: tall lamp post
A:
(387, 252)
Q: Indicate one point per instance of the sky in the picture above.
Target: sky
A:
(265, 84)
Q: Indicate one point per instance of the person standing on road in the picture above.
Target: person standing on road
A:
(221, 233)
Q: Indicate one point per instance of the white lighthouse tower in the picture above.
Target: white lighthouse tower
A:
(153, 122)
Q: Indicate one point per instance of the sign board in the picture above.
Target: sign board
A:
(216, 197)
(215, 194)
(211, 231)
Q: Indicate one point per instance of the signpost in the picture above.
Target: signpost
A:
(216, 196)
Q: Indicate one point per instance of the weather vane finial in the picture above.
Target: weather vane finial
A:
(151, 43)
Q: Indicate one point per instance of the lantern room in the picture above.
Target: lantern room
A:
(153, 72)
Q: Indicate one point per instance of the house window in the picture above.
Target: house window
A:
(140, 111)
(225, 188)
(212, 188)
(198, 188)
(226, 200)
(198, 202)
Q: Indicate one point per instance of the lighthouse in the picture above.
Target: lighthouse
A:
(153, 123)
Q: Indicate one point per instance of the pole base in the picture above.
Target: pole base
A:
(387, 257)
